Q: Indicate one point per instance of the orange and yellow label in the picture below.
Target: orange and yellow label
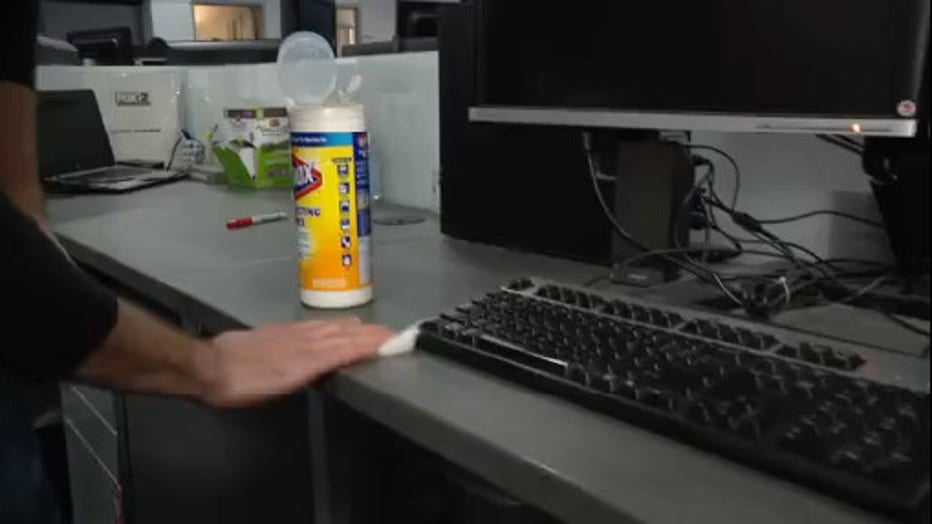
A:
(331, 193)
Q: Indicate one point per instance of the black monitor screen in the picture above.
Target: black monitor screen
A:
(70, 133)
(765, 57)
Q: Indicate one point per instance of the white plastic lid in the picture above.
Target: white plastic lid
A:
(334, 119)
(307, 70)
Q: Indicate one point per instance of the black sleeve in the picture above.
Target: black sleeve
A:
(52, 315)
(18, 41)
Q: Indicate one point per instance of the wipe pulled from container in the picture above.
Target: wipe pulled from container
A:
(307, 70)
(308, 73)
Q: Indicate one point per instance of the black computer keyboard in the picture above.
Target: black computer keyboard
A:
(790, 407)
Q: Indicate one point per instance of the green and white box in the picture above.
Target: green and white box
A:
(257, 150)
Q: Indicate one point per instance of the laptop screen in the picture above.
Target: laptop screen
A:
(71, 134)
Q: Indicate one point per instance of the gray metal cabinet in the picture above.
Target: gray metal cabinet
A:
(139, 459)
(93, 462)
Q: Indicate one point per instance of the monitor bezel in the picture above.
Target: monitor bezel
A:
(720, 122)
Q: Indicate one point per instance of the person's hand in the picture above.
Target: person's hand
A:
(242, 368)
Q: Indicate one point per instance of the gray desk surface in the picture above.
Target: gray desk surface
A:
(575, 464)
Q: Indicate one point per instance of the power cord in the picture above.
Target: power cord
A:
(746, 221)
(843, 142)
(593, 174)
(702, 272)
(705, 274)
(773, 305)
(803, 216)
(689, 200)
(817, 270)
(756, 229)
(763, 297)
(731, 160)
(760, 296)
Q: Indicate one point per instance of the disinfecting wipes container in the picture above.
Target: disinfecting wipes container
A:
(330, 161)
(330, 154)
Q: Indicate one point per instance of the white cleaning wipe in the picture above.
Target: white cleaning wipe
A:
(401, 343)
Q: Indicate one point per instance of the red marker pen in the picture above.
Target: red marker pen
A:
(238, 223)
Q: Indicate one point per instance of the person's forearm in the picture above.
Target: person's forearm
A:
(19, 177)
(145, 355)
(237, 368)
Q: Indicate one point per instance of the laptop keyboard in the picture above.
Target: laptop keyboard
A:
(110, 174)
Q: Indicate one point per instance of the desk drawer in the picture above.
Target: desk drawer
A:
(89, 412)
(95, 492)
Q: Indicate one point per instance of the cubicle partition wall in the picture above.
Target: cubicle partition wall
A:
(399, 94)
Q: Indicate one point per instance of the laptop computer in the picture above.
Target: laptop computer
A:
(74, 149)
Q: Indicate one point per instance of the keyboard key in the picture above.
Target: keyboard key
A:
(897, 470)
(771, 384)
(842, 360)
(508, 351)
(606, 382)
(740, 383)
(727, 334)
(789, 351)
(809, 353)
(520, 284)
(576, 373)
(699, 412)
(455, 316)
(748, 428)
(430, 326)
(850, 459)
(656, 398)
(674, 319)
(627, 390)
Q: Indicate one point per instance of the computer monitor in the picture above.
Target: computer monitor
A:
(209, 52)
(73, 114)
(111, 46)
(51, 51)
(416, 19)
(796, 66)
(318, 16)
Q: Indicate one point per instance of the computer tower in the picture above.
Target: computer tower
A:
(899, 172)
(652, 181)
(517, 186)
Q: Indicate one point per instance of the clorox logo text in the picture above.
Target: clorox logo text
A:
(307, 178)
